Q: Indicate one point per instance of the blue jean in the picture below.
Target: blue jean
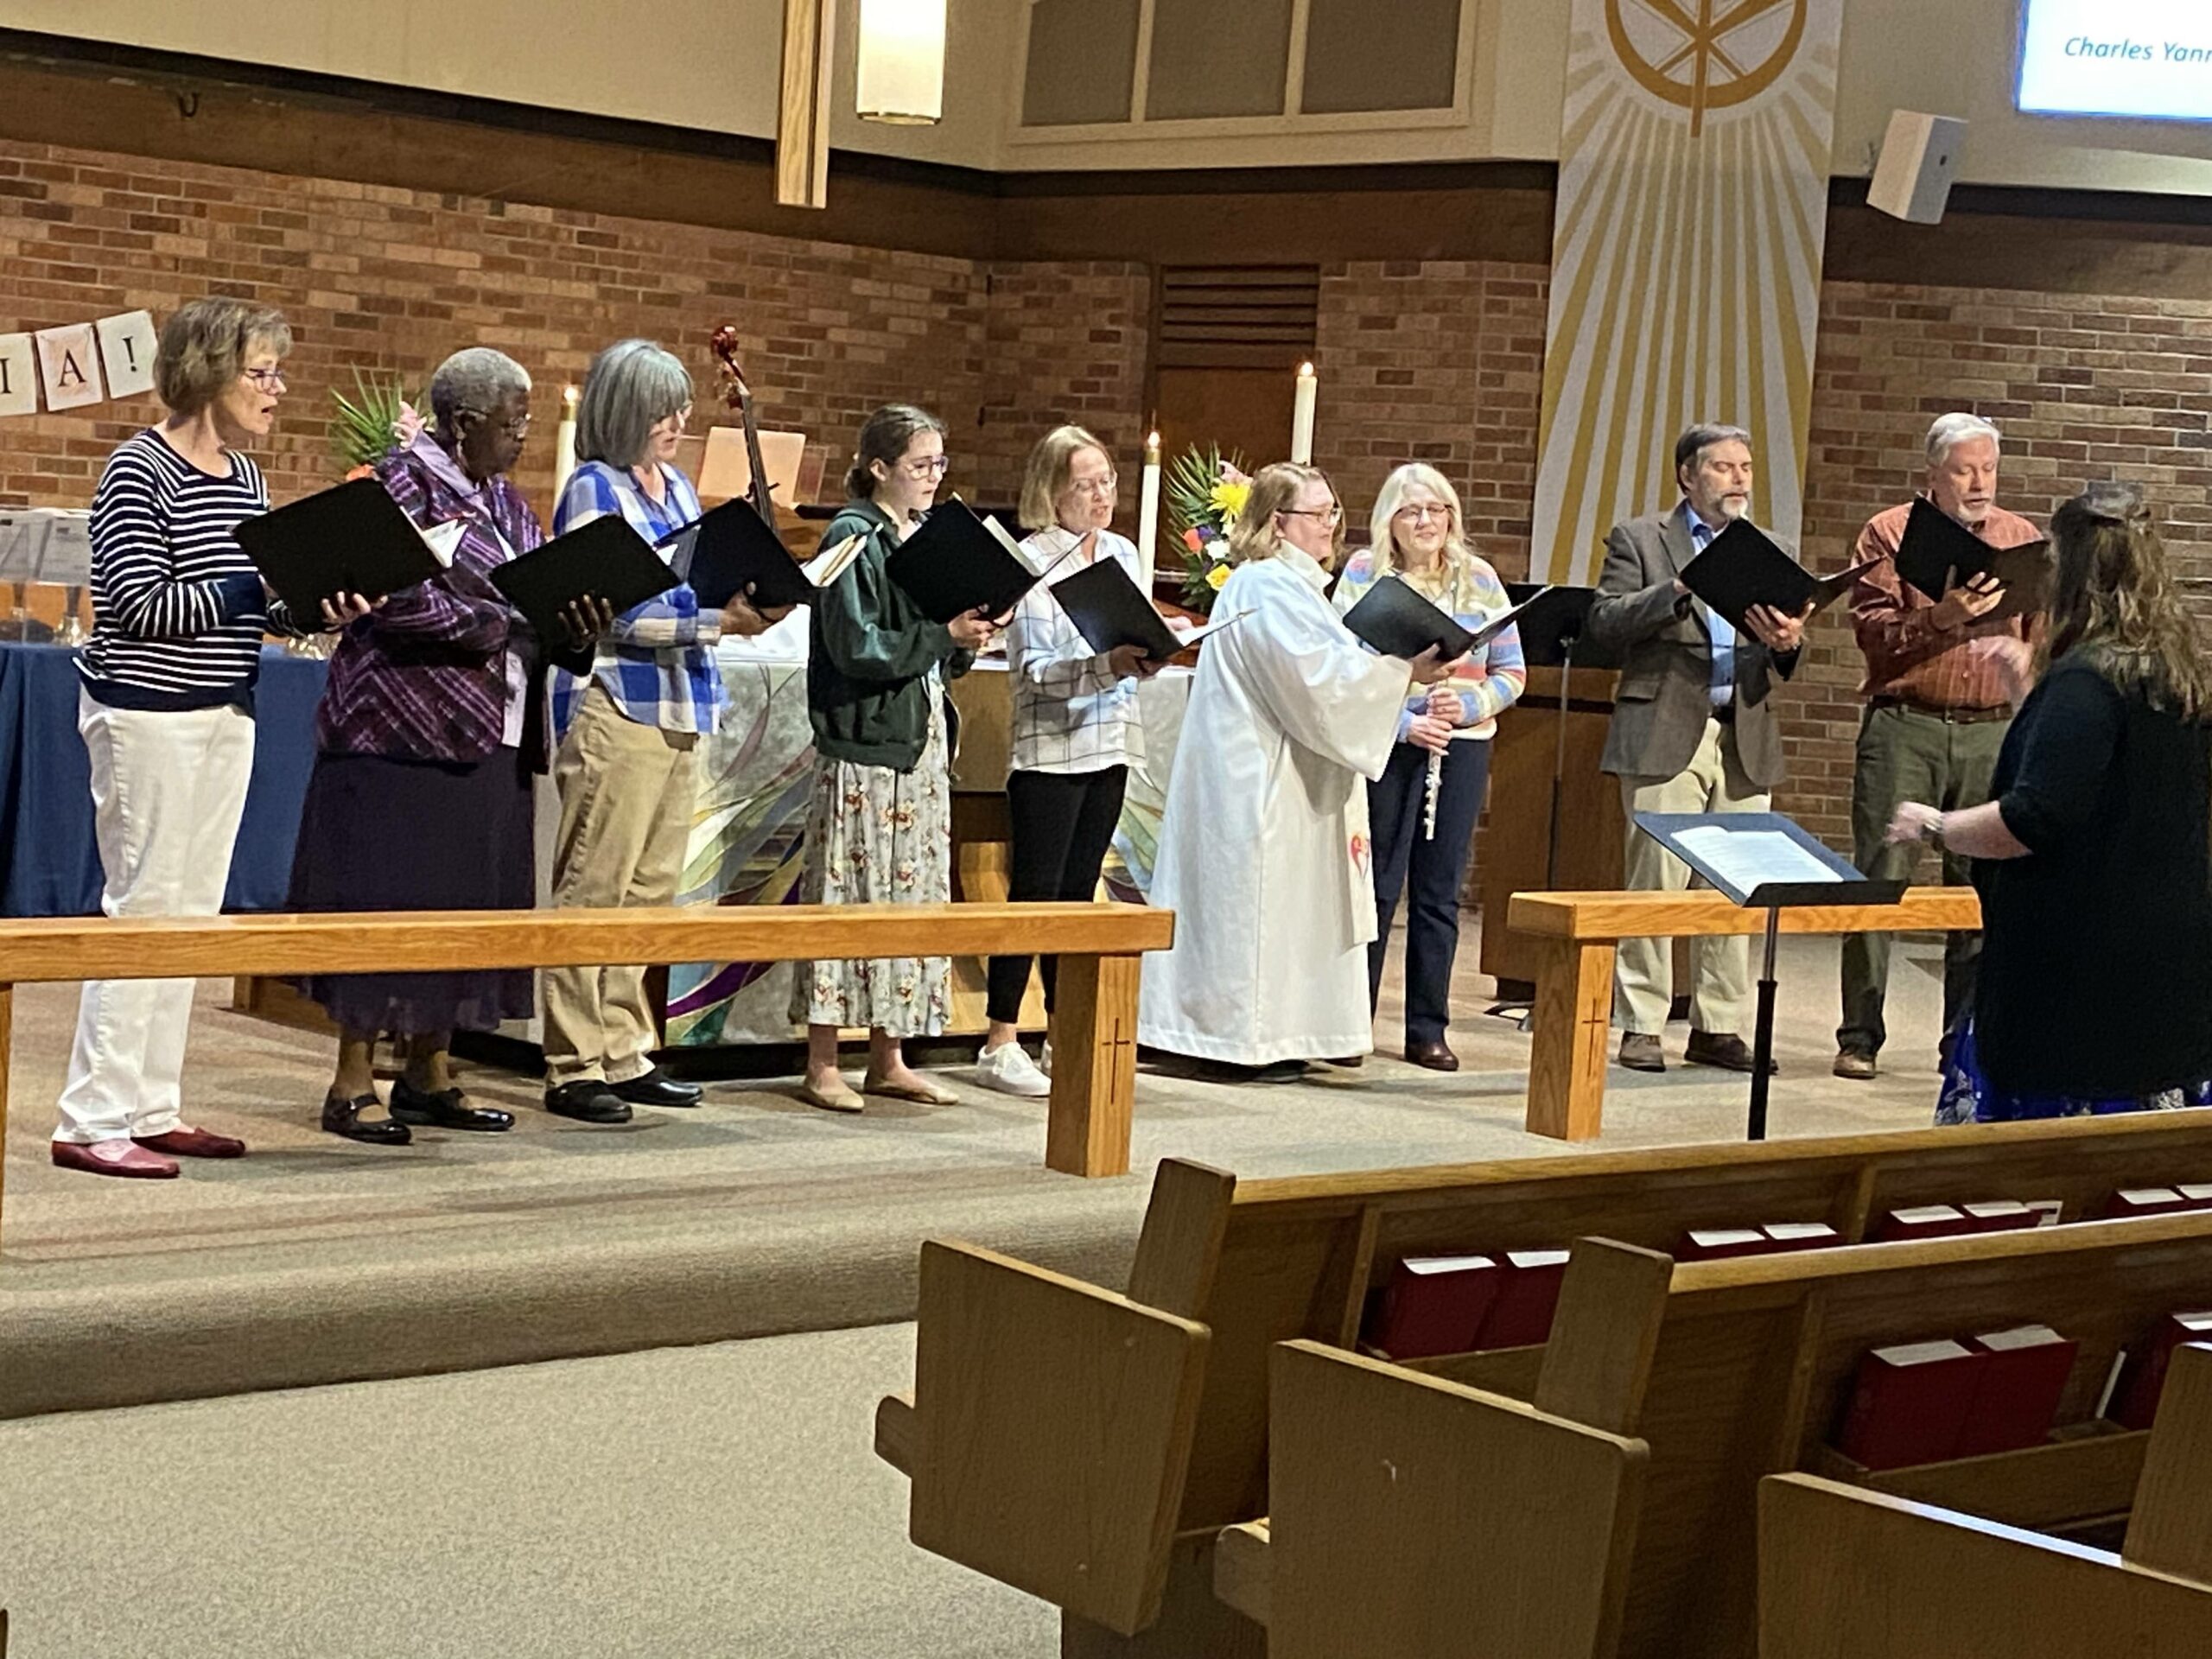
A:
(1429, 872)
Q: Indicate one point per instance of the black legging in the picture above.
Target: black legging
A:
(1063, 823)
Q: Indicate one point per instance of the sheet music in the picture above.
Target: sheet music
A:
(1749, 859)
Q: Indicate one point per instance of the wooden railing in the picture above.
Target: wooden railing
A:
(1093, 1030)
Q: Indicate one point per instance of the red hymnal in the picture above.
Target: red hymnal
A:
(1527, 1292)
(2197, 1195)
(1803, 1235)
(2021, 1380)
(1922, 1220)
(1909, 1403)
(1434, 1305)
(2143, 1374)
(1720, 1243)
(2143, 1201)
(2001, 1216)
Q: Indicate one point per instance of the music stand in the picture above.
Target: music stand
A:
(1551, 637)
(1763, 860)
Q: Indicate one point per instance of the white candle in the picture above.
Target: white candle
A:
(1148, 512)
(1301, 417)
(564, 444)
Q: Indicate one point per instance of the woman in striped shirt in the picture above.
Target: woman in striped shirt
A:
(1416, 537)
(165, 711)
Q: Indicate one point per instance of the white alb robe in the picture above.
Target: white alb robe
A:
(1263, 845)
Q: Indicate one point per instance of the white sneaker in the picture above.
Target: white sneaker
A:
(1009, 1070)
(1044, 1065)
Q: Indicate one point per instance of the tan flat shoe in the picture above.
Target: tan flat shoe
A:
(923, 1094)
(839, 1099)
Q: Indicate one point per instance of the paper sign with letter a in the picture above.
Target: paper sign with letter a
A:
(68, 366)
(127, 353)
(18, 375)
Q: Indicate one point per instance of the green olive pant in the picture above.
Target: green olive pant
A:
(1907, 754)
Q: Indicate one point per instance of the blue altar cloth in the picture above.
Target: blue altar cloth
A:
(50, 860)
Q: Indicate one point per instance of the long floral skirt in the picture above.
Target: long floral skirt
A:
(876, 836)
(1968, 1096)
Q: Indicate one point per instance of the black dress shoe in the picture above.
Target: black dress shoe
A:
(1724, 1049)
(588, 1101)
(1436, 1056)
(656, 1088)
(444, 1111)
(1224, 1071)
(343, 1117)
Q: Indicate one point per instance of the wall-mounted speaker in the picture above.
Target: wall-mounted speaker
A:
(1920, 157)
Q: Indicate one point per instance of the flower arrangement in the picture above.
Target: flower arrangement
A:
(1206, 495)
(367, 426)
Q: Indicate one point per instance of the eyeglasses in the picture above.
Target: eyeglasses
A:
(1092, 486)
(267, 379)
(928, 466)
(1426, 511)
(678, 418)
(1328, 515)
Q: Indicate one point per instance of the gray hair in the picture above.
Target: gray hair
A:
(475, 381)
(1690, 447)
(1957, 428)
(630, 387)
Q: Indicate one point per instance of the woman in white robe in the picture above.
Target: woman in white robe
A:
(1263, 843)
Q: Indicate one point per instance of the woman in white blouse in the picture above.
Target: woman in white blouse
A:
(1076, 730)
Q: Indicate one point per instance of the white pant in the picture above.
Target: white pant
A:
(168, 789)
(1643, 971)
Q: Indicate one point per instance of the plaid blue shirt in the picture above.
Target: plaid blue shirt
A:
(658, 661)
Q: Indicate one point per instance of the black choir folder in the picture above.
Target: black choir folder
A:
(605, 559)
(957, 562)
(1937, 552)
(354, 539)
(1742, 567)
(1110, 611)
(730, 548)
(1398, 622)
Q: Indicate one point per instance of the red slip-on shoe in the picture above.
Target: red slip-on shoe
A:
(116, 1157)
(185, 1142)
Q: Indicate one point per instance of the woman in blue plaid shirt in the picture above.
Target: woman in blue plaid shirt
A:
(624, 768)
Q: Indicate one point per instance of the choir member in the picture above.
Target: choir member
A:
(165, 708)
(1941, 678)
(432, 724)
(1076, 727)
(2095, 989)
(1264, 855)
(879, 827)
(1424, 807)
(1693, 730)
(631, 729)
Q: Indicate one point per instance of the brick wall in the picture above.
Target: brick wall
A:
(382, 279)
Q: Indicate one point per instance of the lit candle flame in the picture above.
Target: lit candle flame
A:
(569, 397)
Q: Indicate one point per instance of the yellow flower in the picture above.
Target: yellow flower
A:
(1217, 577)
(1228, 499)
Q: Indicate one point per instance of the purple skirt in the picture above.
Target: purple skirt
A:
(379, 834)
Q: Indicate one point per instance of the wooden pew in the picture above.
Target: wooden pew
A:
(1847, 1574)
(1255, 1264)
(1754, 1362)
(1424, 1520)
(1577, 935)
(1094, 1034)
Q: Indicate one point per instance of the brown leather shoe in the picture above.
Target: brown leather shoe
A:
(185, 1142)
(1640, 1052)
(1855, 1064)
(118, 1156)
(1723, 1049)
(1436, 1056)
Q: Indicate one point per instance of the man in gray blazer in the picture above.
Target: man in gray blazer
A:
(1693, 730)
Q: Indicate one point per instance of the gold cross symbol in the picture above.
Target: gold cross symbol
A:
(1707, 68)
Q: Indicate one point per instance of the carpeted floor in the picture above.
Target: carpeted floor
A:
(715, 1502)
(752, 1215)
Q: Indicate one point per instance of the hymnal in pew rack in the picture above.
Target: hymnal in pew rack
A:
(351, 539)
(1763, 860)
(1742, 567)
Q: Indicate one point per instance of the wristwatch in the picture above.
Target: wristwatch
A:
(1932, 832)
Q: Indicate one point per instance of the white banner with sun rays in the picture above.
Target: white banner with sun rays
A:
(1685, 257)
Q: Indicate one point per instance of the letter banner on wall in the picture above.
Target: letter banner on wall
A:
(67, 363)
(1685, 257)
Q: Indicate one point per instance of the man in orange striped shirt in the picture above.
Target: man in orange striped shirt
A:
(1942, 678)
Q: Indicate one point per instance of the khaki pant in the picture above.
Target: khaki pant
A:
(626, 820)
(1720, 968)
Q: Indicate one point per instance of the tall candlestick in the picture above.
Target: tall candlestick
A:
(1301, 417)
(1148, 512)
(564, 444)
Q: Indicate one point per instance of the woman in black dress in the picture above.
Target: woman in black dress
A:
(2094, 859)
